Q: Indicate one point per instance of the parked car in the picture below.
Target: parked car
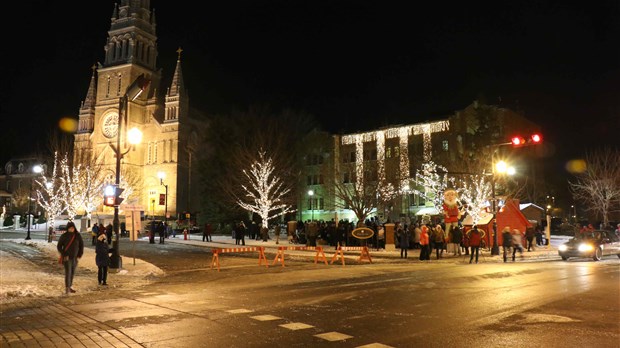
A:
(595, 244)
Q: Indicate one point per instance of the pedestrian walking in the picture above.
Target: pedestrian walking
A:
(94, 233)
(403, 241)
(506, 242)
(108, 233)
(71, 248)
(475, 239)
(276, 232)
(161, 230)
(529, 235)
(456, 238)
(206, 234)
(517, 243)
(102, 259)
(438, 239)
(425, 252)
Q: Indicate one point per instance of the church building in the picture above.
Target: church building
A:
(162, 162)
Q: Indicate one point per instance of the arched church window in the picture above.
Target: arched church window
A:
(9, 168)
(118, 89)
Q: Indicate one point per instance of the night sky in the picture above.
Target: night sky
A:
(354, 65)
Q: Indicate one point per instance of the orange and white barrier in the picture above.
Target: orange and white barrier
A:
(341, 249)
(280, 254)
(215, 261)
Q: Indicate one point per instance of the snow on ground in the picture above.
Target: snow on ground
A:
(21, 278)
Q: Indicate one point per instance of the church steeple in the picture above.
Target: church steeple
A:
(87, 110)
(176, 96)
(132, 37)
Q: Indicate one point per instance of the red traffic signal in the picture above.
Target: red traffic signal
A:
(518, 140)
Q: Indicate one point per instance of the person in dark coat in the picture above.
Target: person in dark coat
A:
(161, 231)
(95, 233)
(108, 233)
(71, 248)
(530, 235)
(506, 242)
(475, 239)
(457, 239)
(403, 240)
(102, 259)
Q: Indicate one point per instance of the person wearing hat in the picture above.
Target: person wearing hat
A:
(71, 248)
(102, 258)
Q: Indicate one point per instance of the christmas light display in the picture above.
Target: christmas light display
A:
(265, 191)
(50, 192)
(474, 193)
(433, 180)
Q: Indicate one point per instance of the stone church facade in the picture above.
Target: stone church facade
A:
(169, 129)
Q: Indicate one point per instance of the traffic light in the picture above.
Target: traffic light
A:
(108, 196)
(519, 140)
(111, 196)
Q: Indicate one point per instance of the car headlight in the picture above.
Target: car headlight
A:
(585, 247)
(562, 247)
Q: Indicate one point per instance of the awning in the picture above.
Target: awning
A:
(428, 211)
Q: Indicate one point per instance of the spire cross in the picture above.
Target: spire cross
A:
(179, 52)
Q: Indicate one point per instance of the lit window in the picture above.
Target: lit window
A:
(444, 145)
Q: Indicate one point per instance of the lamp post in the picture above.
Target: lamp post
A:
(311, 193)
(134, 136)
(162, 176)
(502, 168)
(37, 169)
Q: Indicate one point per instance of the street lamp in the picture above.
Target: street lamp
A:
(500, 167)
(134, 136)
(311, 193)
(162, 176)
(37, 169)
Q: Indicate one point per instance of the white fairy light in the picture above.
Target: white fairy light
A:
(404, 158)
(474, 193)
(49, 193)
(265, 191)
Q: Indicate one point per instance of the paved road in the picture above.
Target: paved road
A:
(406, 303)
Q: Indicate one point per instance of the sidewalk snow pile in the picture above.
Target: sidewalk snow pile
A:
(20, 277)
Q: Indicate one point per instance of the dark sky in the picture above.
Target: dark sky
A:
(355, 65)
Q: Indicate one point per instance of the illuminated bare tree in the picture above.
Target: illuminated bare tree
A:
(598, 186)
(50, 192)
(432, 180)
(265, 191)
(475, 192)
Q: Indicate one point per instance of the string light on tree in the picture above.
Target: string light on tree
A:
(474, 193)
(265, 191)
(49, 194)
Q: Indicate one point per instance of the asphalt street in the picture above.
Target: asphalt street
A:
(536, 301)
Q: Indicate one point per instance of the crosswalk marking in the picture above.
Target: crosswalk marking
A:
(296, 326)
(239, 311)
(333, 336)
(265, 317)
(374, 345)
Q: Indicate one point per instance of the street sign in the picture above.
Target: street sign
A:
(363, 233)
(132, 207)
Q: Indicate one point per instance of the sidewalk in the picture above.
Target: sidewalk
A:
(543, 253)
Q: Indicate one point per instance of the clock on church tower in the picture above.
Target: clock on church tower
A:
(110, 125)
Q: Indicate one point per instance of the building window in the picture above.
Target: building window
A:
(321, 207)
(444, 145)
(345, 178)
(310, 206)
(118, 89)
(388, 152)
(309, 180)
(320, 179)
(155, 153)
(8, 186)
(19, 184)
(9, 168)
(20, 168)
(150, 153)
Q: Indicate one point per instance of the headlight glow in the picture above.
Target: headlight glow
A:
(562, 247)
(585, 247)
